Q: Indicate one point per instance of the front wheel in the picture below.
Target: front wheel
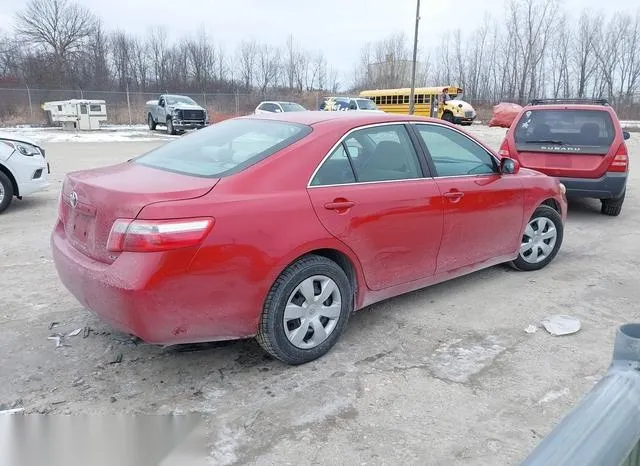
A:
(6, 192)
(541, 240)
(170, 129)
(612, 207)
(151, 123)
(447, 116)
(306, 310)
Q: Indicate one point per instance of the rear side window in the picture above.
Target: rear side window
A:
(225, 148)
(571, 131)
(380, 153)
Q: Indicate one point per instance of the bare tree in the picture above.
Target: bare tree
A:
(268, 67)
(247, 62)
(158, 44)
(582, 57)
(58, 27)
(532, 22)
(202, 58)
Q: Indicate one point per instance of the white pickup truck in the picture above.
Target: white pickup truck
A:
(176, 112)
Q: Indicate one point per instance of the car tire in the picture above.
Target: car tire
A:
(546, 218)
(613, 207)
(151, 123)
(170, 129)
(286, 341)
(447, 116)
(6, 192)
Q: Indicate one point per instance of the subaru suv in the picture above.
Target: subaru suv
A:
(579, 141)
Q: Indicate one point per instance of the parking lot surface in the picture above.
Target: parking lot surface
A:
(445, 375)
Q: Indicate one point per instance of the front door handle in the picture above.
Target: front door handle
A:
(339, 205)
(454, 196)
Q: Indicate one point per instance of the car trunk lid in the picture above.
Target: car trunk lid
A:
(565, 142)
(92, 200)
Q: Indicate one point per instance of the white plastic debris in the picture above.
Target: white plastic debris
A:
(75, 332)
(531, 329)
(12, 411)
(561, 325)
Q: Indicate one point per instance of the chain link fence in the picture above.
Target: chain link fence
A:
(19, 106)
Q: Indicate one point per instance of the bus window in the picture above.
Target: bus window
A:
(420, 99)
(427, 99)
(394, 99)
(406, 99)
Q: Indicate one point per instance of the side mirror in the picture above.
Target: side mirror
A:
(509, 166)
(626, 135)
(278, 110)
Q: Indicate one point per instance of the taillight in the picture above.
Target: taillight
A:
(620, 162)
(157, 235)
(504, 149)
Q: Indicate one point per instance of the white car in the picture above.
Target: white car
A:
(278, 107)
(23, 169)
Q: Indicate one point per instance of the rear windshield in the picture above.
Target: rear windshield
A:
(224, 148)
(366, 104)
(577, 131)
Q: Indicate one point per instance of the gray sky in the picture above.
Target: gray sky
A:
(338, 27)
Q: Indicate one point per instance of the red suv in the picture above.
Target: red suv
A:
(579, 141)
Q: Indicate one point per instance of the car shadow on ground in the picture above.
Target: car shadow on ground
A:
(31, 203)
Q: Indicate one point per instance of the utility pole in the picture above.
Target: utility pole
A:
(412, 96)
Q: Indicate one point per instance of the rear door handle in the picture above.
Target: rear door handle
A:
(339, 205)
(454, 196)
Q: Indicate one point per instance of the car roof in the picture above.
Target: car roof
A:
(318, 117)
(605, 108)
(276, 102)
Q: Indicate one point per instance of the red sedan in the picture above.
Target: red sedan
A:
(279, 226)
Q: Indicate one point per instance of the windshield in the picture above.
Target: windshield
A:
(224, 148)
(366, 104)
(291, 107)
(456, 96)
(547, 130)
(180, 99)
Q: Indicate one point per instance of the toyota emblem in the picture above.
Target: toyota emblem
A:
(73, 199)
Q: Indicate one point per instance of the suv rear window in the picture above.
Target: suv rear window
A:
(574, 131)
(225, 148)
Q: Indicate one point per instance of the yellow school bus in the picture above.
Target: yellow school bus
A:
(428, 102)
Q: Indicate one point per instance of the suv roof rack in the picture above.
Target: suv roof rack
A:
(569, 101)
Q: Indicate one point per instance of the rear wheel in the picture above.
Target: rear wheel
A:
(6, 192)
(151, 123)
(541, 240)
(613, 207)
(306, 310)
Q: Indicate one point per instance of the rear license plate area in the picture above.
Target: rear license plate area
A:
(79, 226)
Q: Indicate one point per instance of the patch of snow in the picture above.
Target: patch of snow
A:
(226, 444)
(459, 359)
(553, 395)
(629, 124)
(106, 133)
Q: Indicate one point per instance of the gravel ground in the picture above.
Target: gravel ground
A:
(445, 375)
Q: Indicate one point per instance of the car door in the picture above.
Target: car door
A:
(483, 209)
(375, 194)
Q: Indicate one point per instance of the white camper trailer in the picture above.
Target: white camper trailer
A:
(76, 113)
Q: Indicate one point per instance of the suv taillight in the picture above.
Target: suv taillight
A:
(504, 149)
(157, 235)
(620, 162)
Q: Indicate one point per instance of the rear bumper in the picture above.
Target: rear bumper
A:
(609, 186)
(152, 295)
